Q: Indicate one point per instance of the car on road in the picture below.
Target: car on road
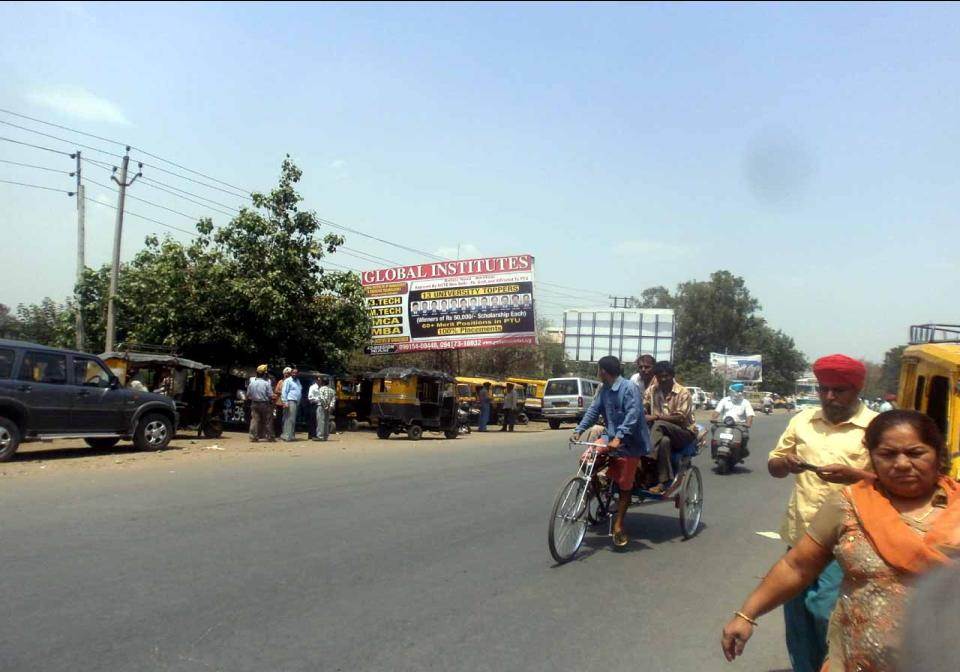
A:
(50, 393)
(567, 399)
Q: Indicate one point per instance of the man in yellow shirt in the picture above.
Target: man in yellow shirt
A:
(823, 447)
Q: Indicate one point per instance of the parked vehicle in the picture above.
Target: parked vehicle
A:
(354, 400)
(727, 444)
(532, 390)
(930, 381)
(567, 399)
(49, 393)
(467, 391)
(413, 400)
(191, 385)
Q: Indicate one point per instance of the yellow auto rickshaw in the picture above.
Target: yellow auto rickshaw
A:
(930, 381)
(531, 392)
(498, 388)
(354, 398)
(192, 385)
(412, 400)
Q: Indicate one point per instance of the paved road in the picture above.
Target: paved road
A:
(403, 556)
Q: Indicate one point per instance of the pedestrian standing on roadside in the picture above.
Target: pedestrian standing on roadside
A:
(261, 407)
(278, 402)
(322, 396)
(509, 408)
(483, 397)
(831, 438)
(290, 395)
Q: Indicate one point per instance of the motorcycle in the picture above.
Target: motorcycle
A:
(728, 444)
(767, 409)
(463, 419)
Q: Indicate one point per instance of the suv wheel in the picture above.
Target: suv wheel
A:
(9, 439)
(154, 432)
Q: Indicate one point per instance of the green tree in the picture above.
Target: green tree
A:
(253, 290)
(47, 323)
(890, 376)
(713, 316)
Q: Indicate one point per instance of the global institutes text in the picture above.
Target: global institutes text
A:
(449, 268)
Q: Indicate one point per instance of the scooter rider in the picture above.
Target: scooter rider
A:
(738, 407)
(767, 403)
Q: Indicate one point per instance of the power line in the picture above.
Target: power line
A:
(155, 221)
(367, 256)
(27, 144)
(122, 144)
(143, 200)
(37, 186)
(188, 193)
(53, 137)
(381, 240)
(30, 165)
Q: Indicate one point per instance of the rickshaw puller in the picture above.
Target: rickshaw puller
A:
(626, 435)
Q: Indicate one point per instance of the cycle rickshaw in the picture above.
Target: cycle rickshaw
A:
(586, 499)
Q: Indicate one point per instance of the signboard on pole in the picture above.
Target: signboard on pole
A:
(737, 368)
(469, 303)
(589, 334)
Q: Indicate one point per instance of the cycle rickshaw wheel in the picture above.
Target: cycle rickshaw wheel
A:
(568, 521)
(691, 503)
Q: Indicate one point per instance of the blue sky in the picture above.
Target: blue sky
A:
(810, 148)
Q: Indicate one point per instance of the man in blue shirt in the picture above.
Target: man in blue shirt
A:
(290, 395)
(626, 435)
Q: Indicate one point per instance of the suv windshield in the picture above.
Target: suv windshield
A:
(559, 388)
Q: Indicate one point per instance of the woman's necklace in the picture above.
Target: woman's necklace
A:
(920, 519)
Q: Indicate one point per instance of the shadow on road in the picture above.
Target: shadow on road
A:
(82, 451)
(645, 530)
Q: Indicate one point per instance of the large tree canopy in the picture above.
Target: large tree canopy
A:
(254, 290)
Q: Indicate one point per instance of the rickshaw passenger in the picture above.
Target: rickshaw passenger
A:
(626, 435)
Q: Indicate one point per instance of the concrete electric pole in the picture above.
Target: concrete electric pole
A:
(81, 242)
(117, 234)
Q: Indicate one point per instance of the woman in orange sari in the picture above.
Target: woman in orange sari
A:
(884, 531)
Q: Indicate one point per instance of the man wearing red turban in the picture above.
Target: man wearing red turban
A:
(830, 438)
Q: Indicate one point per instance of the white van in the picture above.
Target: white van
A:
(567, 399)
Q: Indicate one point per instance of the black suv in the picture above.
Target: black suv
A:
(46, 393)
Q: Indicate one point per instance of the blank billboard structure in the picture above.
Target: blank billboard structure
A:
(591, 334)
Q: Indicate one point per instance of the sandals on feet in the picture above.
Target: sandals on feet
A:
(620, 539)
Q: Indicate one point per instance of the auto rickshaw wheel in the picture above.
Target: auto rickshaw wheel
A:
(213, 429)
(451, 433)
(383, 432)
(414, 432)
(522, 419)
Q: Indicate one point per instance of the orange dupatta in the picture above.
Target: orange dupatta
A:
(902, 548)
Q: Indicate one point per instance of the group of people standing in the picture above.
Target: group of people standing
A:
(511, 401)
(280, 401)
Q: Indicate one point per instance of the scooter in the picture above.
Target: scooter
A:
(728, 444)
(767, 409)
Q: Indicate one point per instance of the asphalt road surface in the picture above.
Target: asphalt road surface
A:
(400, 556)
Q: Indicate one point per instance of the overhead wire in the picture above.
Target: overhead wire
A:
(37, 186)
(53, 137)
(143, 200)
(30, 165)
(30, 144)
(149, 219)
(122, 144)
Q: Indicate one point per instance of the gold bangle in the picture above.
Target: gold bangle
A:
(749, 620)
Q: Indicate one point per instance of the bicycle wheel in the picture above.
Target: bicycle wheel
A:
(691, 503)
(568, 521)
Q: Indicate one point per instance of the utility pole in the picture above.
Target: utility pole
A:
(81, 242)
(117, 234)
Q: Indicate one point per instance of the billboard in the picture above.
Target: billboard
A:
(737, 368)
(469, 303)
(590, 334)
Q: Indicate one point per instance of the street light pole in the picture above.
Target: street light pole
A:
(117, 234)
